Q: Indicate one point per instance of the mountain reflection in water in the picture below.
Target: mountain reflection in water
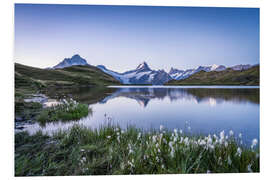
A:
(212, 96)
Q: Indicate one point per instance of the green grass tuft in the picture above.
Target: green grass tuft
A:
(66, 111)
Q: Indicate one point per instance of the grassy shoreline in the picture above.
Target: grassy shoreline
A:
(111, 150)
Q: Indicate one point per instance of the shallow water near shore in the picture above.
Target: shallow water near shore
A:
(195, 110)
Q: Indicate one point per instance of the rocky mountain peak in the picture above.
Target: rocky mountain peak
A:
(74, 60)
(143, 66)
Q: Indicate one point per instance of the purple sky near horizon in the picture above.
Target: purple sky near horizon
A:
(121, 37)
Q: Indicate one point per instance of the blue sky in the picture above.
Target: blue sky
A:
(121, 37)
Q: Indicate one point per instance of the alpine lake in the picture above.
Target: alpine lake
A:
(199, 110)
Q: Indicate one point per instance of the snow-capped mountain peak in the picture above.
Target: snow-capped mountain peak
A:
(143, 66)
(74, 60)
(214, 67)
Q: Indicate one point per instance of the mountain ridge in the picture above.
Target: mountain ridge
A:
(27, 76)
(250, 76)
(143, 74)
(150, 76)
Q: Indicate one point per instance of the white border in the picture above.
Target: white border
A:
(7, 80)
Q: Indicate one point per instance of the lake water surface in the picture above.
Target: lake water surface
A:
(194, 109)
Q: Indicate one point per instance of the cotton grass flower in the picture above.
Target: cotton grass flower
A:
(144, 157)
(211, 147)
(130, 150)
(171, 144)
(240, 135)
(209, 140)
(139, 136)
(186, 141)
(215, 137)
(172, 149)
(239, 151)
(202, 142)
(181, 131)
(154, 138)
(65, 101)
(254, 143)
(222, 134)
(220, 141)
(181, 139)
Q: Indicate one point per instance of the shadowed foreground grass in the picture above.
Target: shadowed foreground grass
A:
(110, 150)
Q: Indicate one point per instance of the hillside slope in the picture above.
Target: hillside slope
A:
(226, 77)
(26, 76)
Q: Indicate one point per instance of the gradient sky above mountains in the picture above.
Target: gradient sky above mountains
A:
(121, 37)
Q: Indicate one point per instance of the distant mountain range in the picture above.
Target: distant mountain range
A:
(229, 76)
(143, 74)
(182, 74)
